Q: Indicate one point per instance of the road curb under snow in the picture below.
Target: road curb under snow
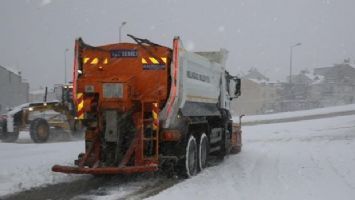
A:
(292, 119)
(299, 115)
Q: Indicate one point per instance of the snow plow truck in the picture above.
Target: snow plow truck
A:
(148, 107)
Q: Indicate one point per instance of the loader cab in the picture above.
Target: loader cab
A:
(64, 93)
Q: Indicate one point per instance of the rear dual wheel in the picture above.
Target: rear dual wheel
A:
(203, 152)
(196, 155)
(191, 157)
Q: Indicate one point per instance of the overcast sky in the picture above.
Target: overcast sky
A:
(258, 33)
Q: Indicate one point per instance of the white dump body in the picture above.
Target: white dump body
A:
(200, 79)
(200, 84)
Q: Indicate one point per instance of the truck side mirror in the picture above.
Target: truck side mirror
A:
(237, 91)
(240, 119)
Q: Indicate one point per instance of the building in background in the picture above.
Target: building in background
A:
(13, 89)
(297, 95)
(255, 98)
(326, 86)
(258, 94)
(334, 85)
(254, 75)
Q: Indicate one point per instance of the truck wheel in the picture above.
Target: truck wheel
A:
(191, 157)
(9, 137)
(39, 130)
(203, 152)
(77, 130)
(225, 145)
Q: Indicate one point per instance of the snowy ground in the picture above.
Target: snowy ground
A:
(311, 159)
(25, 165)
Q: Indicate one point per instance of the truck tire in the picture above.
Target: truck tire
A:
(39, 130)
(189, 165)
(9, 136)
(202, 152)
(225, 144)
(76, 129)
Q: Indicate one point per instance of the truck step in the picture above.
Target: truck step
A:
(150, 120)
(215, 149)
(152, 138)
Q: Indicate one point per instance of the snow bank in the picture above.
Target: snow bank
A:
(295, 114)
(311, 159)
(24, 166)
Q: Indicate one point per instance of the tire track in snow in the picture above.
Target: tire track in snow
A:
(265, 167)
(340, 175)
(151, 190)
(91, 188)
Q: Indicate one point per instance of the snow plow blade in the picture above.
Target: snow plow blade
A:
(105, 170)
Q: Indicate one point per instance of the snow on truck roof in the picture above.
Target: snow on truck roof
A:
(215, 56)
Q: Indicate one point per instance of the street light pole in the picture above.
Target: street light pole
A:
(291, 55)
(120, 30)
(65, 65)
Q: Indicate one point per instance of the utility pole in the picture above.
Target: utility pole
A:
(291, 55)
(120, 30)
(65, 65)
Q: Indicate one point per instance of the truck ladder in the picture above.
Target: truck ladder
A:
(150, 132)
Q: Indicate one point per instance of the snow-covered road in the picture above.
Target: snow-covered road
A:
(24, 165)
(312, 159)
